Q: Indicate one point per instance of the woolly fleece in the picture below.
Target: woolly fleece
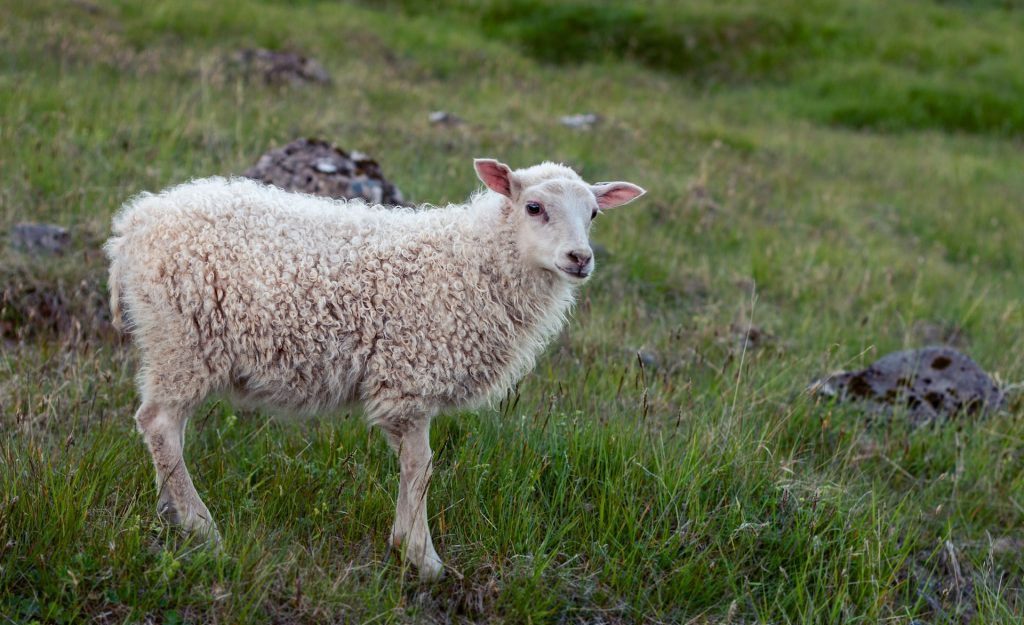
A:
(303, 303)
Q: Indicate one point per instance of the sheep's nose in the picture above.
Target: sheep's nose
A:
(580, 257)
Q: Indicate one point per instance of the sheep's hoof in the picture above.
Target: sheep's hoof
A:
(191, 523)
(167, 511)
(431, 569)
(209, 534)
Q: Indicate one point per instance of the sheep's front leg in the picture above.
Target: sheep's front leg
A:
(410, 534)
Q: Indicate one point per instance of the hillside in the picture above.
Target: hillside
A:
(827, 181)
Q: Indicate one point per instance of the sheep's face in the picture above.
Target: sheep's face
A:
(554, 220)
(553, 208)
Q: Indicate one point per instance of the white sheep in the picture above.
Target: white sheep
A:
(301, 303)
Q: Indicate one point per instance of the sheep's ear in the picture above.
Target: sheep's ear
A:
(612, 194)
(497, 176)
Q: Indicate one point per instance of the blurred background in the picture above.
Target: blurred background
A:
(828, 181)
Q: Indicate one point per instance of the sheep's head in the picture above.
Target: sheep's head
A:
(552, 209)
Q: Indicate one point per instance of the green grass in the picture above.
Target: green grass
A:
(876, 64)
(836, 174)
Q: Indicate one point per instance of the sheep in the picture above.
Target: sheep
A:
(299, 303)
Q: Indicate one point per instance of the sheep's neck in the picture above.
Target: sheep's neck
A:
(534, 299)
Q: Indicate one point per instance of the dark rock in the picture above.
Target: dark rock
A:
(321, 168)
(40, 238)
(929, 383)
(279, 68)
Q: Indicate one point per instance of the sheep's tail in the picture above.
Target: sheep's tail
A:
(115, 281)
(127, 220)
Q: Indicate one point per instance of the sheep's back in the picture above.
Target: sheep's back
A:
(262, 287)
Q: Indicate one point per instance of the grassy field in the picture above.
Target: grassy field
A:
(844, 177)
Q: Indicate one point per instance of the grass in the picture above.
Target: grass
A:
(839, 197)
(867, 65)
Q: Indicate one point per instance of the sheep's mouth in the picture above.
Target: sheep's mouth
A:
(576, 272)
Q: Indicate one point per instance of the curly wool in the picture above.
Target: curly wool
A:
(304, 303)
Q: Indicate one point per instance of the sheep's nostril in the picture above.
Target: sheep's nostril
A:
(580, 258)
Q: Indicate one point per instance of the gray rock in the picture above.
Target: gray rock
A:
(321, 168)
(583, 121)
(929, 383)
(40, 239)
(649, 359)
(444, 118)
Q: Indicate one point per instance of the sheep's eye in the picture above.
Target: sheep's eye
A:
(593, 216)
(534, 208)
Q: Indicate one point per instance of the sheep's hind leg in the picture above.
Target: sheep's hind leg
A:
(163, 428)
(410, 534)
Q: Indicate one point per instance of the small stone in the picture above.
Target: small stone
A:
(444, 118)
(40, 239)
(582, 121)
(648, 358)
(326, 167)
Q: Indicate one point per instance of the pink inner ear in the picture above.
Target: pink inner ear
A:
(495, 176)
(617, 194)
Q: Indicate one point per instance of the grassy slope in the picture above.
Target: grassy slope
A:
(705, 488)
